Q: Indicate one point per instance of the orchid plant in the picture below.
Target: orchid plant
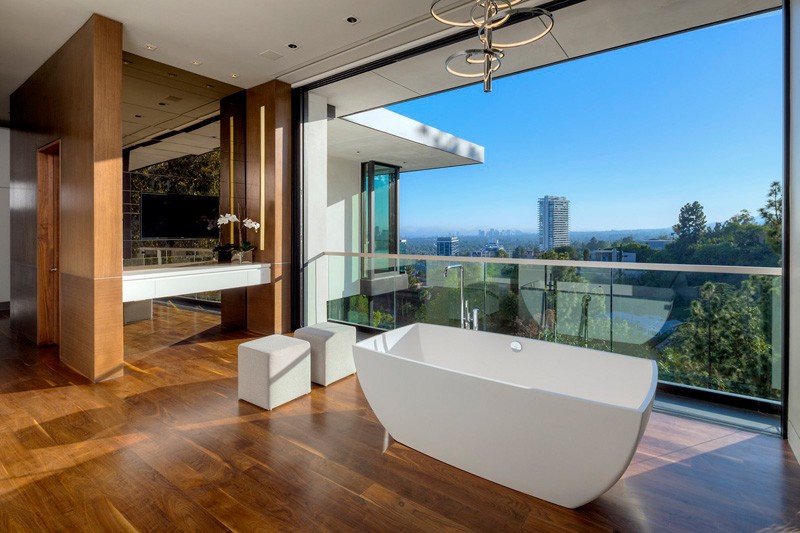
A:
(248, 223)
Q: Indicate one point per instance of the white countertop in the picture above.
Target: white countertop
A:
(158, 282)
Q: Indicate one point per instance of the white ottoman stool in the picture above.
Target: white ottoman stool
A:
(274, 370)
(331, 351)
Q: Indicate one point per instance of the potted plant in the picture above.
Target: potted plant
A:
(243, 251)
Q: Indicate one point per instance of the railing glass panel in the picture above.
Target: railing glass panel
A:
(716, 328)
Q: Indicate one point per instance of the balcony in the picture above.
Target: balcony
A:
(715, 331)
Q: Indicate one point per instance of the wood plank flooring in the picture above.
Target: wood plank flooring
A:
(169, 447)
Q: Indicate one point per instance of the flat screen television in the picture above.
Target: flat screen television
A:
(179, 216)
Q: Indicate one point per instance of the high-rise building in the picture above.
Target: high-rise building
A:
(553, 222)
(447, 245)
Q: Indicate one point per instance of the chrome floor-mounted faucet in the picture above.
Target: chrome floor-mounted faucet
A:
(467, 321)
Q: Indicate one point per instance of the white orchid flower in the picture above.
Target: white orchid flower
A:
(226, 218)
(248, 223)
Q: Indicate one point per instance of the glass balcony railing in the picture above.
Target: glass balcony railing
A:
(712, 327)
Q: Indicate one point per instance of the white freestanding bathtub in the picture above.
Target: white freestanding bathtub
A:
(556, 422)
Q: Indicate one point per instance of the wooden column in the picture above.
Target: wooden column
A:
(269, 193)
(75, 97)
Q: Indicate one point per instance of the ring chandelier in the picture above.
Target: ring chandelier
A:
(487, 16)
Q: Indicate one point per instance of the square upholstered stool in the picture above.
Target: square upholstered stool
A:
(331, 351)
(274, 370)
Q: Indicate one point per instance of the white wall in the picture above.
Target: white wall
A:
(5, 220)
(331, 189)
(343, 221)
(315, 198)
(793, 223)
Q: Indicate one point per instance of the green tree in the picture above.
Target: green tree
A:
(570, 251)
(772, 213)
(723, 344)
(691, 223)
(519, 252)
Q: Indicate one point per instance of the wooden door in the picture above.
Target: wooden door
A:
(47, 243)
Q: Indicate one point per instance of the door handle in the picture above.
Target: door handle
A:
(54, 269)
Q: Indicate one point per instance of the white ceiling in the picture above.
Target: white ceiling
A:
(585, 28)
(226, 36)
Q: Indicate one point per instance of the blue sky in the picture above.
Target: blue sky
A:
(628, 136)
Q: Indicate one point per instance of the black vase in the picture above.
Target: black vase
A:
(224, 256)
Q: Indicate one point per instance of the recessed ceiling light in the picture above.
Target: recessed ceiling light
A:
(196, 62)
(209, 86)
(126, 62)
(292, 46)
(352, 20)
(234, 76)
(149, 46)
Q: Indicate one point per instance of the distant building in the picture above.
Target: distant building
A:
(612, 256)
(490, 249)
(657, 244)
(553, 222)
(403, 246)
(447, 245)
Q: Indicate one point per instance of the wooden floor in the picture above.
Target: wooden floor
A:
(169, 447)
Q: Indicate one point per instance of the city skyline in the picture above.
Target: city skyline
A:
(629, 136)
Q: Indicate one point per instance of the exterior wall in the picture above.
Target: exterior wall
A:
(5, 234)
(343, 226)
(315, 163)
(74, 97)
(792, 223)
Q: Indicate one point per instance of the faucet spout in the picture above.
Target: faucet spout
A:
(459, 267)
(465, 319)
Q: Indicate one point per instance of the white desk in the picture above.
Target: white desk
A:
(146, 284)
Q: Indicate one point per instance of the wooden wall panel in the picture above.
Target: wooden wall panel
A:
(233, 156)
(47, 280)
(75, 97)
(269, 135)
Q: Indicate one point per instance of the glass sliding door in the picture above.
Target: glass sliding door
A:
(378, 212)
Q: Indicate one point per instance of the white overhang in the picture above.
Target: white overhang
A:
(388, 137)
